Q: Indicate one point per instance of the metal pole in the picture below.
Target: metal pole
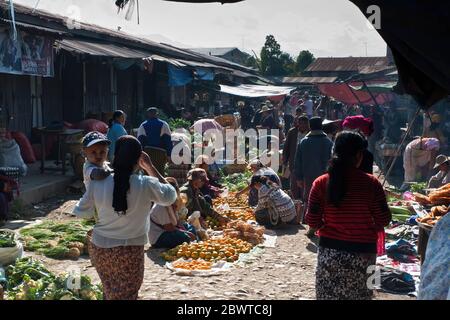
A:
(400, 146)
(354, 94)
(370, 92)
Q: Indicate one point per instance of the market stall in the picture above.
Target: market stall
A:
(414, 214)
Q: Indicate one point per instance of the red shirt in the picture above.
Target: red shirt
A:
(361, 213)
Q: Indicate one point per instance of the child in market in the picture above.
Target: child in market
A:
(274, 205)
(95, 149)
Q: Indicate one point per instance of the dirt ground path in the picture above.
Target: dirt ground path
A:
(284, 272)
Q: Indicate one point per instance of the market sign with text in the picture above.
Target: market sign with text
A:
(28, 54)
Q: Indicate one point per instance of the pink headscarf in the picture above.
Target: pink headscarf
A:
(365, 125)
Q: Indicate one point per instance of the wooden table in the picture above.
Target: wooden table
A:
(62, 136)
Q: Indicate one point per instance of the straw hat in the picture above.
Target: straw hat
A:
(265, 108)
(441, 159)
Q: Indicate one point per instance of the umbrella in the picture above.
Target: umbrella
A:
(206, 124)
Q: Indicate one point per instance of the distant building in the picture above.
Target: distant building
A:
(231, 54)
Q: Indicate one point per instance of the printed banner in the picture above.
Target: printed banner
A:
(29, 54)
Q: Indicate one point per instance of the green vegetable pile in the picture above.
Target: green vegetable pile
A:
(57, 240)
(236, 181)
(400, 214)
(28, 279)
(179, 123)
(7, 239)
(418, 187)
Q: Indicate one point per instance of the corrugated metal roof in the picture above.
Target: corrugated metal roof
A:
(213, 51)
(308, 79)
(94, 33)
(347, 63)
(100, 49)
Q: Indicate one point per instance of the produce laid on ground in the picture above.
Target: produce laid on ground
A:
(58, 240)
(199, 264)
(401, 213)
(240, 214)
(7, 239)
(28, 279)
(434, 215)
(418, 187)
(213, 223)
(236, 181)
(227, 249)
(232, 200)
(244, 231)
(179, 123)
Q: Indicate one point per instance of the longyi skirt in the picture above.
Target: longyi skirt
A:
(121, 270)
(343, 275)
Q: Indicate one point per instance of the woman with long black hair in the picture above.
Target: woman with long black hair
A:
(348, 207)
(115, 131)
(123, 202)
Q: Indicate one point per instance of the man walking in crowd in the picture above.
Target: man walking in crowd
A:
(155, 136)
(290, 104)
(267, 120)
(246, 111)
(311, 158)
(308, 105)
(294, 136)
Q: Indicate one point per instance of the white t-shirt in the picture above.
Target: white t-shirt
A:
(309, 105)
(114, 230)
(161, 216)
(87, 170)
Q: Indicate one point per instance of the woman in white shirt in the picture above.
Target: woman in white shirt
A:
(123, 202)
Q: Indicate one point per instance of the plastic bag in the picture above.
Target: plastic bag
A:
(10, 156)
(9, 255)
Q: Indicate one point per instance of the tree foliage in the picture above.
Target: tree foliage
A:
(304, 59)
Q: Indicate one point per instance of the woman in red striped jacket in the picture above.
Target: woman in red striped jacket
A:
(348, 207)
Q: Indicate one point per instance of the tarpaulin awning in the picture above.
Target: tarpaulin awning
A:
(100, 49)
(417, 32)
(256, 91)
(345, 94)
(385, 87)
(183, 76)
(181, 63)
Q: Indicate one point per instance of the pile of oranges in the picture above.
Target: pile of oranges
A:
(240, 214)
(193, 265)
(232, 200)
(226, 249)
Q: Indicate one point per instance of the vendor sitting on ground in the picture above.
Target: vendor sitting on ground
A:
(274, 205)
(443, 176)
(196, 201)
(166, 229)
(258, 169)
(211, 188)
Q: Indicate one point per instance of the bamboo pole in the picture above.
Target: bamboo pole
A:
(400, 146)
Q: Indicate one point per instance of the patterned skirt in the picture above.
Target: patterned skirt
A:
(343, 275)
(121, 270)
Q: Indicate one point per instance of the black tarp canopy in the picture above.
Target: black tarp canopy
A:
(418, 33)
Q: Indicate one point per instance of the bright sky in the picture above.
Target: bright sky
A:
(325, 27)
